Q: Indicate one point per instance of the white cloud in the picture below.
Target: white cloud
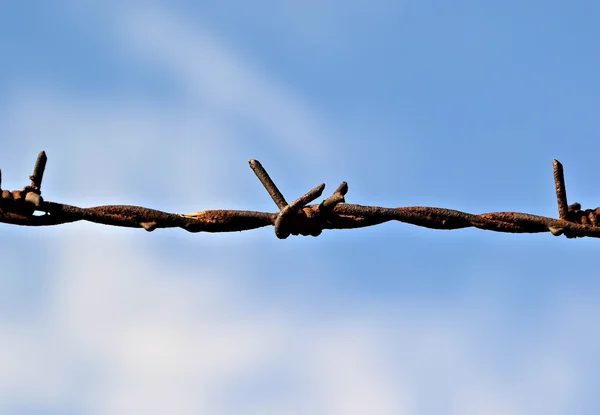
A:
(122, 152)
(210, 71)
(133, 332)
(230, 110)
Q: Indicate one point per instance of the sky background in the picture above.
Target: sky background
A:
(459, 104)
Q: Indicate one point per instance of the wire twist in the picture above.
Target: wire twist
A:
(18, 207)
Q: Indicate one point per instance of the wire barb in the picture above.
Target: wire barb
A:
(561, 192)
(336, 198)
(38, 172)
(296, 218)
(266, 181)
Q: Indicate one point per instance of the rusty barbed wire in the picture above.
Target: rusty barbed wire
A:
(19, 207)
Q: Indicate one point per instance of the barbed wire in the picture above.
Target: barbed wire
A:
(27, 208)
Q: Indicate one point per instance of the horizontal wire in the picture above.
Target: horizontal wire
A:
(296, 218)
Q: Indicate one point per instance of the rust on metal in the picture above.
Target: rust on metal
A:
(561, 191)
(38, 172)
(18, 207)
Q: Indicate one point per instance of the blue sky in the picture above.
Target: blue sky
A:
(457, 104)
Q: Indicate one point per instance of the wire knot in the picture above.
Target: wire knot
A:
(583, 217)
(571, 213)
(25, 202)
(297, 218)
(308, 220)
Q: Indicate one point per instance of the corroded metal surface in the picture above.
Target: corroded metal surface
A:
(19, 207)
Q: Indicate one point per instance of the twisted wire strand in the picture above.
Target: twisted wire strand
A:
(27, 208)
